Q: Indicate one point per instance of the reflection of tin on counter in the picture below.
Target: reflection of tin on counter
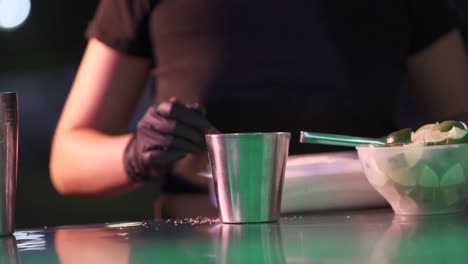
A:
(260, 243)
(9, 250)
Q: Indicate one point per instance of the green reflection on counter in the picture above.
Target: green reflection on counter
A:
(359, 237)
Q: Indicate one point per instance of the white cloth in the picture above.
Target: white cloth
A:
(325, 181)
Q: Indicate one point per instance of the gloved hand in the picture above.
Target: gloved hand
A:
(166, 133)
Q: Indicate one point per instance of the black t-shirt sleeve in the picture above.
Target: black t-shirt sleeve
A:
(123, 25)
(430, 20)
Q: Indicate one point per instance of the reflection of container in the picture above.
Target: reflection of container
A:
(423, 239)
(344, 237)
(8, 160)
(9, 250)
(260, 243)
(419, 179)
(248, 173)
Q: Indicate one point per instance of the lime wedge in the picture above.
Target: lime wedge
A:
(418, 134)
(414, 156)
(435, 137)
(451, 195)
(375, 176)
(403, 177)
(446, 126)
(399, 137)
(405, 160)
(457, 136)
(425, 127)
(446, 132)
(408, 205)
(453, 176)
(428, 177)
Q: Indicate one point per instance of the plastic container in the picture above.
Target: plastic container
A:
(418, 180)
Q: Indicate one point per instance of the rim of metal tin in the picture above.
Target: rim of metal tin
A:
(9, 97)
(8, 93)
(248, 134)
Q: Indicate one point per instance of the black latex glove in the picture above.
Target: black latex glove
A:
(166, 133)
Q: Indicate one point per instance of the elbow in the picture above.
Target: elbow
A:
(61, 168)
(59, 179)
(60, 174)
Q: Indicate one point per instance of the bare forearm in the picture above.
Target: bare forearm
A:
(438, 77)
(87, 162)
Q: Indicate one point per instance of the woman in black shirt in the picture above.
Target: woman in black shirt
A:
(324, 65)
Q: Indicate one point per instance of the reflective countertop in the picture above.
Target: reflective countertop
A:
(361, 236)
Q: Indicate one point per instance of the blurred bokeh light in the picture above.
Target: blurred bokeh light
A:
(13, 13)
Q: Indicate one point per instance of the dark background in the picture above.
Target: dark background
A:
(39, 60)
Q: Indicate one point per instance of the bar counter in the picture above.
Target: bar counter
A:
(356, 236)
